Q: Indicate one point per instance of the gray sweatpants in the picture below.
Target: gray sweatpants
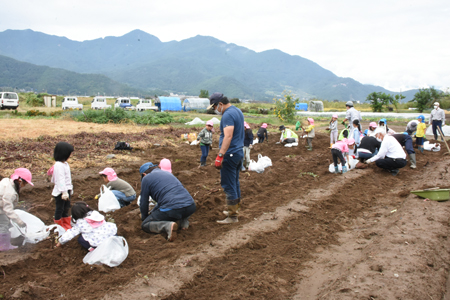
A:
(246, 161)
(4, 223)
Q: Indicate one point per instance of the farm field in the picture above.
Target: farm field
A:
(303, 233)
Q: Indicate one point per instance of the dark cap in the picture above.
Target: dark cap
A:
(282, 127)
(214, 99)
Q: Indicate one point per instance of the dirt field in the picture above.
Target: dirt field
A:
(361, 235)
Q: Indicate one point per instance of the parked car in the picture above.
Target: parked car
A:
(99, 103)
(9, 100)
(71, 103)
(145, 104)
(123, 103)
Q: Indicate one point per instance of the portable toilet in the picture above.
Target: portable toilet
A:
(195, 104)
(168, 103)
(315, 106)
(301, 106)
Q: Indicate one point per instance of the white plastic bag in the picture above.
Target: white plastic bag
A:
(35, 231)
(112, 252)
(108, 201)
(331, 167)
(265, 161)
(431, 147)
(255, 141)
(255, 166)
(195, 143)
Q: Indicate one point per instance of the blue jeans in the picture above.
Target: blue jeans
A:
(435, 125)
(365, 155)
(170, 215)
(123, 200)
(229, 176)
(205, 152)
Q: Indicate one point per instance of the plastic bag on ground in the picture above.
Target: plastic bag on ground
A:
(431, 146)
(351, 164)
(195, 143)
(255, 141)
(264, 160)
(112, 252)
(107, 202)
(196, 121)
(215, 121)
(255, 166)
(35, 231)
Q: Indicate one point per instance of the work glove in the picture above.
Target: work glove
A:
(250, 147)
(353, 156)
(96, 197)
(71, 192)
(368, 161)
(218, 163)
(210, 146)
(343, 123)
(65, 196)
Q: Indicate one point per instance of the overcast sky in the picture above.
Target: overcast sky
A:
(396, 44)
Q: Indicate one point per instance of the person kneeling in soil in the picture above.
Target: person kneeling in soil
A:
(288, 136)
(9, 197)
(391, 156)
(123, 191)
(174, 203)
(368, 148)
(338, 150)
(90, 224)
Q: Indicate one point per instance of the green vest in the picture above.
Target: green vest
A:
(293, 134)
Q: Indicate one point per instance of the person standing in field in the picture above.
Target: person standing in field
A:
(352, 114)
(248, 145)
(333, 128)
(229, 159)
(437, 119)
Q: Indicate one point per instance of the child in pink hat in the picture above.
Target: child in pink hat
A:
(310, 132)
(262, 133)
(123, 191)
(165, 165)
(9, 197)
(205, 138)
(333, 128)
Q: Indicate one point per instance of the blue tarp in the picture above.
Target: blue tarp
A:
(168, 103)
(301, 106)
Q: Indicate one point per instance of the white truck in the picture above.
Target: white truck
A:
(145, 104)
(123, 103)
(9, 100)
(71, 103)
(99, 103)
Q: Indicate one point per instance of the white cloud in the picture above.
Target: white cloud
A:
(396, 44)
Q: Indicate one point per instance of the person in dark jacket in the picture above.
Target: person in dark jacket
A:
(368, 147)
(262, 131)
(406, 141)
(248, 145)
(174, 203)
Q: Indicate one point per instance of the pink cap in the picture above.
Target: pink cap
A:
(247, 126)
(165, 165)
(209, 123)
(373, 125)
(110, 174)
(23, 173)
(335, 116)
(311, 121)
(264, 125)
(350, 141)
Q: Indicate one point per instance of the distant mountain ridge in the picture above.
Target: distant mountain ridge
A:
(142, 61)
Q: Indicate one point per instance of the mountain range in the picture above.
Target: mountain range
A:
(144, 63)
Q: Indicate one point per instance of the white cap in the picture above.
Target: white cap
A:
(379, 130)
(436, 103)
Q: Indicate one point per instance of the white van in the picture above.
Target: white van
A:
(9, 100)
(124, 103)
(99, 103)
(71, 103)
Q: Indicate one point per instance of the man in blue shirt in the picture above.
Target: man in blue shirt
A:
(231, 154)
(174, 203)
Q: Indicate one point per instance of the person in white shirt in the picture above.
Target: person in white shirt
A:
(62, 179)
(391, 156)
(437, 119)
(351, 114)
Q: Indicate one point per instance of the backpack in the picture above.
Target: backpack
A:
(122, 146)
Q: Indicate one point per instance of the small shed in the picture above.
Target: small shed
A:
(195, 104)
(301, 106)
(315, 106)
(168, 103)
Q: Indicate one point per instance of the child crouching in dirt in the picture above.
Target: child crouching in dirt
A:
(123, 191)
(310, 132)
(338, 150)
(90, 224)
(62, 179)
(205, 138)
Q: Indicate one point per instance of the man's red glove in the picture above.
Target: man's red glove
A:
(353, 156)
(218, 163)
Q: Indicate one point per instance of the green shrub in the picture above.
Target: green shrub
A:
(122, 116)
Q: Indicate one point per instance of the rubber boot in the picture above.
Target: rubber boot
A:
(67, 223)
(309, 149)
(243, 169)
(344, 169)
(60, 222)
(336, 170)
(203, 164)
(5, 242)
(421, 149)
(435, 138)
(232, 215)
(331, 145)
(170, 228)
(412, 158)
(184, 223)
